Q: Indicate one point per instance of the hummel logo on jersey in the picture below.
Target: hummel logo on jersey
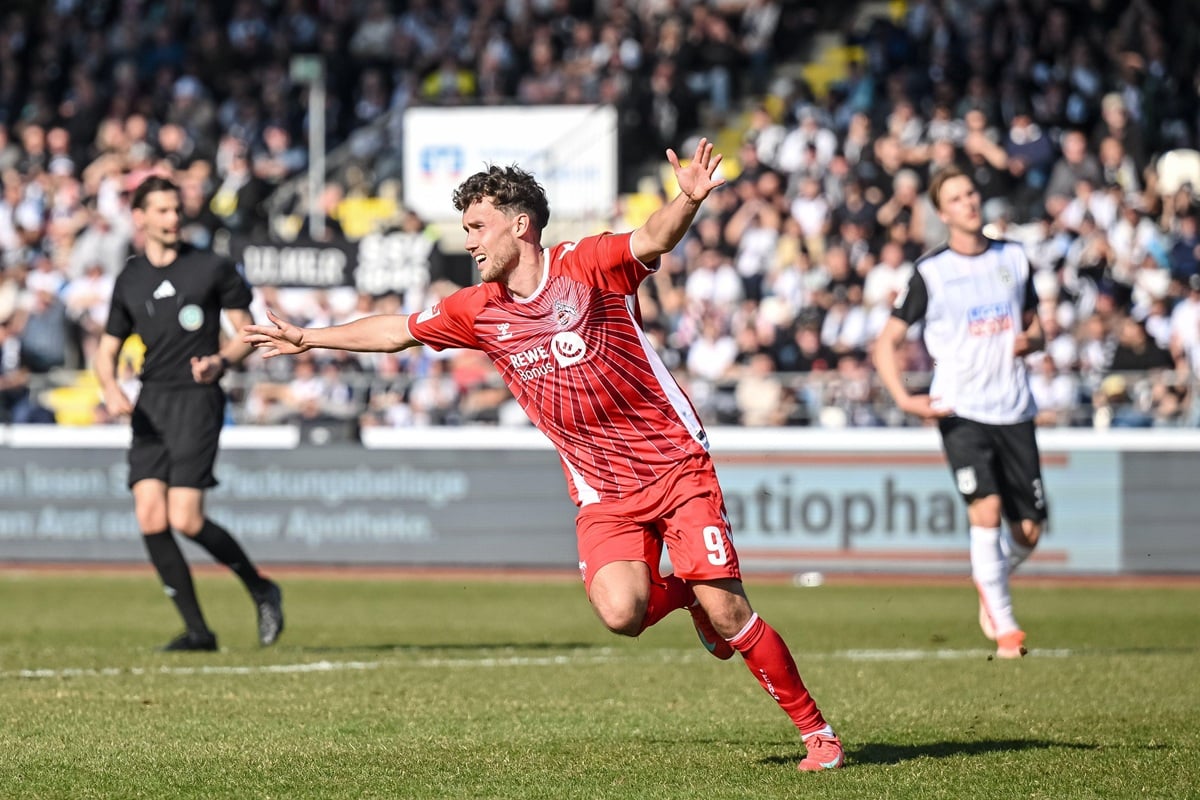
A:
(505, 333)
(165, 289)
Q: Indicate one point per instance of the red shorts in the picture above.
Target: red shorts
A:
(683, 510)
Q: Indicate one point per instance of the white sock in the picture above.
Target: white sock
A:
(826, 731)
(989, 569)
(1014, 553)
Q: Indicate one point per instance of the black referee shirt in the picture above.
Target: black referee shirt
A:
(175, 309)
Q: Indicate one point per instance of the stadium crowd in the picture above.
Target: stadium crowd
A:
(1078, 121)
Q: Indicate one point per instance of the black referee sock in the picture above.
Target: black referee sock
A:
(176, 578)
(224, 548)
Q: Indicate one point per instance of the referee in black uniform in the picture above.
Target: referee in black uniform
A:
(172, 296)
(975, 298)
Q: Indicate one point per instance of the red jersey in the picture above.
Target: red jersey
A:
(575, 357)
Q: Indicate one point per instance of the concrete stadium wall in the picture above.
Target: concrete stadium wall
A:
(1121, 502)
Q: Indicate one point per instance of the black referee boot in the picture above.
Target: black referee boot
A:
(191, 641)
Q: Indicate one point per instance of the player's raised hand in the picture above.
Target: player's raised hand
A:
(696, 179)
(282, 338)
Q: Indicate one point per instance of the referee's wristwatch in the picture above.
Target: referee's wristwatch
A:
(225, 362)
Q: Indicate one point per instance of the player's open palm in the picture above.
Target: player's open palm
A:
(281, 338)
(697, 179)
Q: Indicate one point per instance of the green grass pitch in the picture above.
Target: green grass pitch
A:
(469, 687)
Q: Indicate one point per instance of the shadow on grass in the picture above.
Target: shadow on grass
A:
(895, 753)
(491, 648)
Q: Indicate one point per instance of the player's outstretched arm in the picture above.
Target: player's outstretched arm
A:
(382, 333)
(666, 226)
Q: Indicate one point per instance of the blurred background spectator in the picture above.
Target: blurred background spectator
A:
(1079, 122)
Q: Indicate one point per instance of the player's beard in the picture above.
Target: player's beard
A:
(498, 263)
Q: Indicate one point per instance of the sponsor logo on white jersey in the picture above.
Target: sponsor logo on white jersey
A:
(989, 320)
(568, 347)
(164, 290)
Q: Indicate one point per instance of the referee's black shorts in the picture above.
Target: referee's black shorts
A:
(996, 459)
(176, 430)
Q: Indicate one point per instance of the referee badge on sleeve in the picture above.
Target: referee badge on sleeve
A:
(191, 317)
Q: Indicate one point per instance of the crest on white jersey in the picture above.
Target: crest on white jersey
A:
(165, 289)
(1006, 276)
(966, 480)
(568, 347)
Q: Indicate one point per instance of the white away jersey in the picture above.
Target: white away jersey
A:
(973, 309)
(576, 359)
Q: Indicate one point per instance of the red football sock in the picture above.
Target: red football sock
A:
(767, 656)
(666, 595)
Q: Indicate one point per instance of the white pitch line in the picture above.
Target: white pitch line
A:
(260, 669)
(604, 656)
(928, 655)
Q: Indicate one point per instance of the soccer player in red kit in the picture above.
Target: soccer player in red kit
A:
(562, 326)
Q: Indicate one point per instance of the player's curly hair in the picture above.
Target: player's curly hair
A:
(511, 189)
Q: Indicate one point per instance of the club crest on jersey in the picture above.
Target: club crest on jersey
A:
(191, 317)
(503, 332)
(568, 347)
(564, 313)
(1006, 276)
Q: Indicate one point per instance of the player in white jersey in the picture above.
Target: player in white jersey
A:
(975, 297)
(562, 326)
